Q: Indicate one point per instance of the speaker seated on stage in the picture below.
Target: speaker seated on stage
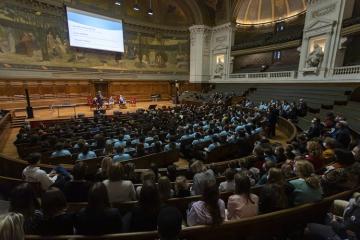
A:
(111, 102)
(122, 101)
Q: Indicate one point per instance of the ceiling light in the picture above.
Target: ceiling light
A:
(118, 3)
(150, 11)
(136, 6)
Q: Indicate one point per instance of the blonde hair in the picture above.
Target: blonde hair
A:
(11, 226)
(105, 165)
(314, 148)
(305, 170)
(116, 172)
(148, 175)
(197, 167)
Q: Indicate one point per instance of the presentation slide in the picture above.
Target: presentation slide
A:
(88, 30)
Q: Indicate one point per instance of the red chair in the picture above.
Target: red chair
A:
(133, 101)
(90, 102)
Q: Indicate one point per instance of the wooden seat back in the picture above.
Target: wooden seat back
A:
(259, 227)
(57, 160)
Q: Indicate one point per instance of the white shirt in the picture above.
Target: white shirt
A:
(35, 174)
(120, 191)
(227, 186)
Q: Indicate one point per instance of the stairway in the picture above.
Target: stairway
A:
(18, 122)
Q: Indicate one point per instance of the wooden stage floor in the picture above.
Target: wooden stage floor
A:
(67, 112)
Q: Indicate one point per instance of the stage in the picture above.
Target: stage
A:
(69, 111)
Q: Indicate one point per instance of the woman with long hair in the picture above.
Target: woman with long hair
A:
(165, 190)
(307, 185)
(315, 155)
(23, 200)
(56, 221)
(11, 226)
(276, 194)
(98, 217)
(210, 210)
(243, 203)
(144, 216)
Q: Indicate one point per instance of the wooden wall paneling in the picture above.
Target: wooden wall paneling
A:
(4, 90)
(33, 87)
(16, 88)
(46, 87)
(60, 88)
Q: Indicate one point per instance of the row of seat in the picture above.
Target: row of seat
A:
(265, 226)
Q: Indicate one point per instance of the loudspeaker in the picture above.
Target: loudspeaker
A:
(151, 107)
(99, 111)
(29, 109)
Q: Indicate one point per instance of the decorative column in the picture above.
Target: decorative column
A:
(221, 42)
(210, 52)
(321, 38)
(200, 36)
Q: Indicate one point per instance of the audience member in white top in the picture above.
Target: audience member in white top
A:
(229, 184)
(33, 173)
(119, 190)
(202, 175)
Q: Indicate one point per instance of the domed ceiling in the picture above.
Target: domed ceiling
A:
(265, 11)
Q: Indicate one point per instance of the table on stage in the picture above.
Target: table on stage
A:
(58, 106)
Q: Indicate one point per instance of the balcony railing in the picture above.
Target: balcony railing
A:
(265, 75)
(346, 70)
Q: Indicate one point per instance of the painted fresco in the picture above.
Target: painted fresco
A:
(29, 37)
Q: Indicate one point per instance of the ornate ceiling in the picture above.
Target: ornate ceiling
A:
(166, 12)
(265, 11)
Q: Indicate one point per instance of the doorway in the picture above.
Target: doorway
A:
(102, 87)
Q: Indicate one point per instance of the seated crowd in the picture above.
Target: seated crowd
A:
(319, 162)
(145, 132)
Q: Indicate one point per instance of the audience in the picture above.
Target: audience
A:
(55, 221)
(98, 218)
(182, 188)
(315, 155)
(103, 172)
(77, 189)
(243, 203)
(33, 173)
(11, 226)
(120, 155)
(86, 153)
(165, 189)
(23, 201)
(229, 184)
(119, 190)
(60, 151)
(210, 210)
(338, 228)
(144, 216)
(307, 186)
(205, 128)
(276, 193)
(169, 223)
(201, 177)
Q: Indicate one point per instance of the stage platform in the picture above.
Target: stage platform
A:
(68, 111)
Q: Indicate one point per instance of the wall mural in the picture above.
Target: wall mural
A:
(41, 38)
